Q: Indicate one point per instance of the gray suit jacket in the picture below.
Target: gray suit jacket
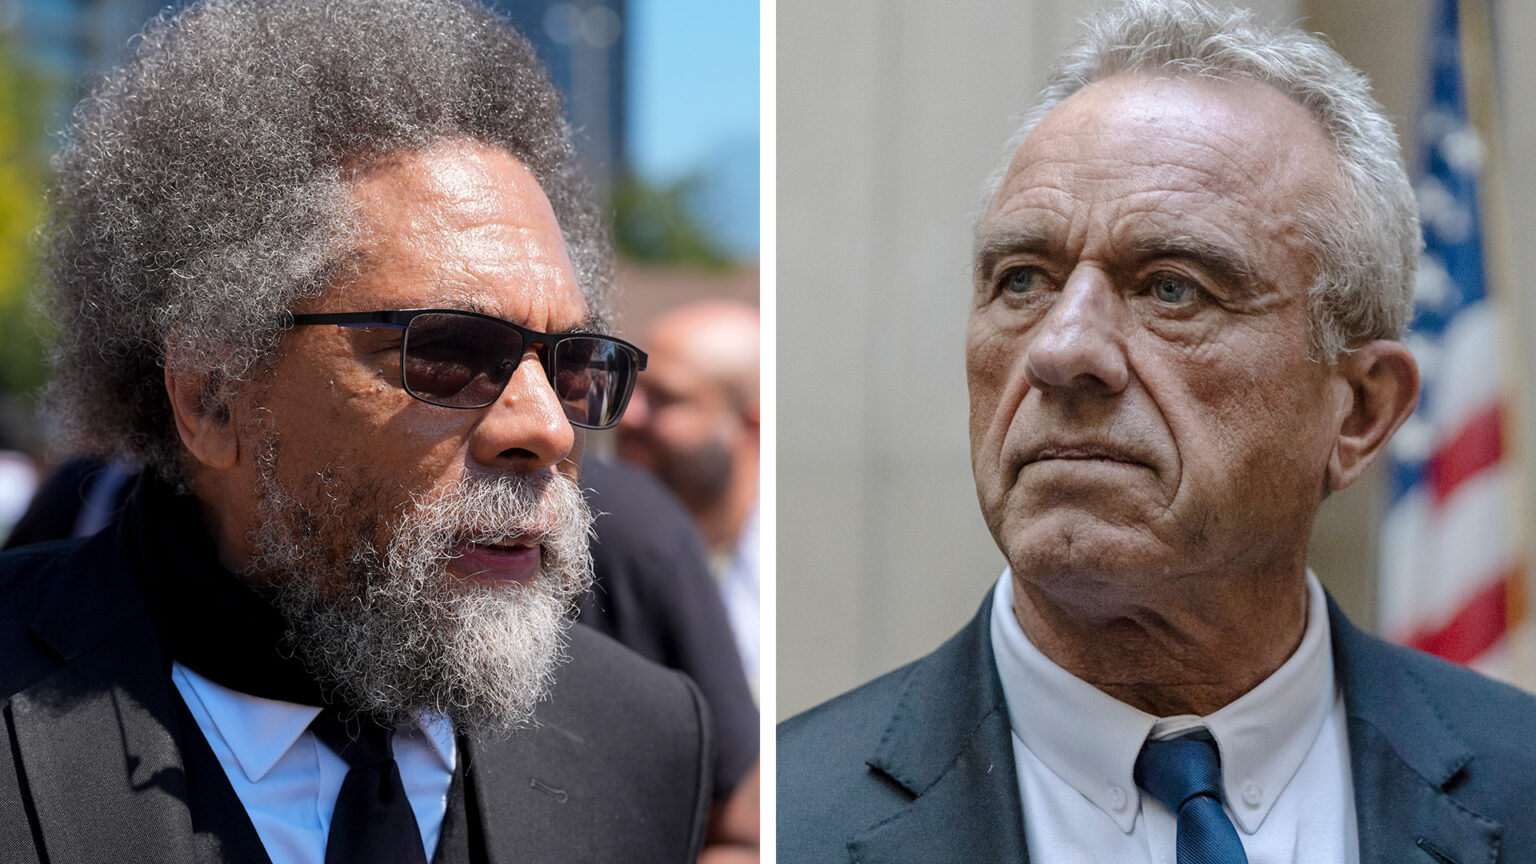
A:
(917, 766)
(617, 768)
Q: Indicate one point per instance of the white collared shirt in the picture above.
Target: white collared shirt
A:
(741, 590)
(1284, 757)
(288, 780)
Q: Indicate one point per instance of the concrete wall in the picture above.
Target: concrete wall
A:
(890, 116)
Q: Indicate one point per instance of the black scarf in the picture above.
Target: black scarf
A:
(209, 619)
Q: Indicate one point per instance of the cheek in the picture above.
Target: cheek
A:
(991, 363)
(685, 425)
(1254, 427)
(380, 439)
(571, 465)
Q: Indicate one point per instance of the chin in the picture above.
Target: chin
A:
(1073, 550)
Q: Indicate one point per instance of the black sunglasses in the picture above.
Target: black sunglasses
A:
(460, 359)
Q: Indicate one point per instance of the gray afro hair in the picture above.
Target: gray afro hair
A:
(1366, 242)
(202, 189)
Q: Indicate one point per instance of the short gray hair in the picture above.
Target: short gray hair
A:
(202, 190)
(1366, 243)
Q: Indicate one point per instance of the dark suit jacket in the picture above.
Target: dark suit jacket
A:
(918, 764)
(617, 768)
(653, 593)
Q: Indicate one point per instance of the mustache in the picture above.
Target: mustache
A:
(501, 509)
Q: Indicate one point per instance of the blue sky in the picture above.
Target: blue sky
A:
(693, 82)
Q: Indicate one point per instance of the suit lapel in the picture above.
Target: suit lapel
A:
(1404, 759)
(103, 767)
(532, 797)
(94, 738)
(948, 745)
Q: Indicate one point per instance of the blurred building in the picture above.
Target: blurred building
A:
(583, 44)
(65, 41)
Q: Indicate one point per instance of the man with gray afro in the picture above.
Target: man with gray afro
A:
(326, 271)
(1191, 275)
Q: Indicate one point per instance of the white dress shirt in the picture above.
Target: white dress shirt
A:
(1284, 757)
(288, 780)
(741, 590)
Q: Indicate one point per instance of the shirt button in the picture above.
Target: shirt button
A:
(1117, 797)
(1252, 794)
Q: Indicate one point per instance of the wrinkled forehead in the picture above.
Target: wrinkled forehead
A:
(1246, 136)
(453, 181)
(463, 225)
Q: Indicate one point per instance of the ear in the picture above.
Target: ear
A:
(204, 426)
(1378, 385)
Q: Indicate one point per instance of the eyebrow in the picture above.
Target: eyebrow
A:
(1221, 262)
(994, 244)
(1225, 265)
(593, 323)
(468, 302)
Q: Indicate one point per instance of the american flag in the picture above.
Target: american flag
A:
(1451, 580)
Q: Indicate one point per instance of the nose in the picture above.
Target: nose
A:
(1079, 344)
(526, 427)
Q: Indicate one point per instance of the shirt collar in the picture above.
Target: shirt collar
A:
(1091, 740)
(259, 731)
(747, 552)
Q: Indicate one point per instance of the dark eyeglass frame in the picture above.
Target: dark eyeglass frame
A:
(402, 318)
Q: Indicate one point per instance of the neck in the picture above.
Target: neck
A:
(722, 523)
(223, 504)
(1181, 651)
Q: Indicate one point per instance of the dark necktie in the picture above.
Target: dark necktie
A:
(373, 821)
(1185, 774)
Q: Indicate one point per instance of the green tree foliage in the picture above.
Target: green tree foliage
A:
(654, 224)
(23, 166)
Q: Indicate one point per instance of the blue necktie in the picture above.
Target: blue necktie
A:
(1185, 774)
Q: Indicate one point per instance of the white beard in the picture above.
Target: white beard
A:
(394, 635)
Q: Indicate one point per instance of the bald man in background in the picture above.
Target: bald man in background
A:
(694, 422)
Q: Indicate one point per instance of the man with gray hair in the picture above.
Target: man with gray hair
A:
(327, 271)
(1191, 279)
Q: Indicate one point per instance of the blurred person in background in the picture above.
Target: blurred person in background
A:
(653, 592)
(18, 479)
(18, 473)
(328, 274)
(695, 423)
(82, 496)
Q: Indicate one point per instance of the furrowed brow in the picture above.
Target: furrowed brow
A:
(469, 304)
(1226, 266)
(446, 295)
(994, 244)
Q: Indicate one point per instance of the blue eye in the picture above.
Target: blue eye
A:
(1021, 280)
(1167, 289)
